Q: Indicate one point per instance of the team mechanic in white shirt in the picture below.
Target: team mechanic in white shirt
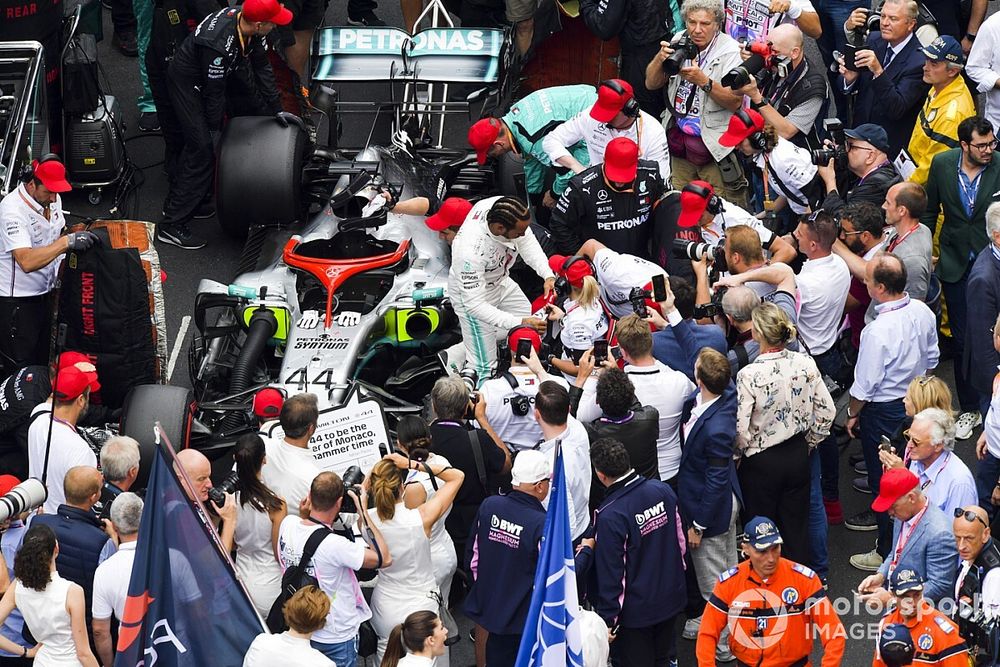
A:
(615, 114)
(617, 274)
(31, 248)
(488, 302)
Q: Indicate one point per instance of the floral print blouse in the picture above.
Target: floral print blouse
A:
(781, 394)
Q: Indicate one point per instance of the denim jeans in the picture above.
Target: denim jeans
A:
(344, 654)
(954, 296)
(817, 520)
(876, 420)
(830, 363)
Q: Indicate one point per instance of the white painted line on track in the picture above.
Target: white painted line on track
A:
(178, 344)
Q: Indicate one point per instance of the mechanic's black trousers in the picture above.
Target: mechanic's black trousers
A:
(25, 334)
(196, 161)
(173, 135)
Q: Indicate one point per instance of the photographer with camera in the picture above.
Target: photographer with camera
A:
(335, 561)
(679, 339)
(690, 66)
(289, 466)
(793, 101)
(864, 150)
(886, 75)
(510, 396)
(977, 588)
(612, 202)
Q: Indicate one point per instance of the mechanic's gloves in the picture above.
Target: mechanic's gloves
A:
(284, 118)
(82, 240)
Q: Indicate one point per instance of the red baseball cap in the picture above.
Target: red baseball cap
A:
(482, 134)
(896, 483)
(451, 214)
(266, 11)
(576, 271)
(610, 101)
(739, 129)
(71, 382)
(51, 174)
(7, 482)
(694, 203)
(524, 333)
(621, 160)
(72, 359)
(267, 403)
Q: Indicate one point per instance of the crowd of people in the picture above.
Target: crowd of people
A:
(743, 267)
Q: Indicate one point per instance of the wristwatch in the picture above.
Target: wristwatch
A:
(969, 36)
(708, 86)
(758, 105)
(697, 531)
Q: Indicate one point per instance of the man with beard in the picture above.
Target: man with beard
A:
(859, 241)
(961, 183)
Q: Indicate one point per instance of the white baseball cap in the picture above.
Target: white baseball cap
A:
(530, 466)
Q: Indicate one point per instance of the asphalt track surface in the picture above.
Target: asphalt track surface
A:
(219, 259)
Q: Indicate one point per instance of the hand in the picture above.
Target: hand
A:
(827, 173)
(611, 635)
(727, 281)
(586, 542)
(549, 286)
(535, 323)
(700, 266)
(879, 597)
(534, 363)
(750, 90)
(555, 313)
(228, 510)
(851, 425)
(479, 410)
(305, 506)
(856, 19)
(664, 51)
(694, 539)
(655, 318)
(548, 199)
(398, 460)
(585, 366)
(780, 6)
(82, 240)
(871, 583)
(284, 119)
(981, 447)
(867, 58)
(889, 460)
(995, 496)
(695, 75)
(109, 529)
(966, 45)
(33, 651)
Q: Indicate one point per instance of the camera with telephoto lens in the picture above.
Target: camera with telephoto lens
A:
(684, 49)
(696, 250)
(217, 494)
(858, 37)
(353, 477)
(24, 497)
(471, 379)
(838, 151)
(712, 308)
(762, 59)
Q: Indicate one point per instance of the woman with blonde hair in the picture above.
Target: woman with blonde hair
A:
(416, 642)
(408, 584)
(305, 612)
(784, 411)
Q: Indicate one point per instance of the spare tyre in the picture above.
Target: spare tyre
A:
(259, 174)
(147, 404)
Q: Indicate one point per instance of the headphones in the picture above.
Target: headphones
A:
(28, 170)
(631, 107)
(562, 286)
(757, 140)
(714, 205)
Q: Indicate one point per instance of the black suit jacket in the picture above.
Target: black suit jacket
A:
(980, 357)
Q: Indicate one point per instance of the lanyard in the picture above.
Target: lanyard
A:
(924, 485)
(623, 420)
(899, 239)
(239, 33)
(903, 539)
(44, 212)
(881, 309)
(871, 172)
(972, 189)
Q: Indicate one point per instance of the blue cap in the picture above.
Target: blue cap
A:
(905, 579)
(762, 533)
(945, 48)
(895, 645)
(872, 133)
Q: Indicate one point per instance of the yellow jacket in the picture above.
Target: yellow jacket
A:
(941, 114)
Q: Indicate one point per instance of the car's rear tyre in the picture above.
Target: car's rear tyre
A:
(259, 174)
(147, 404)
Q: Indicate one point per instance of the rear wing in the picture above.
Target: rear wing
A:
(434, 55)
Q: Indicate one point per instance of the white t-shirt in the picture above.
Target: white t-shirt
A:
(731, 216)
(23, 225)
(582, 326)
(518, 431)
(268, 650)
(289, 472)
(111, 582)
(333, 565)
(666, 390)
(793, 165)
(68, 450)
(576, 461)
(823, 285)
(617, 274)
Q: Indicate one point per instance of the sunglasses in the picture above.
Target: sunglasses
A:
(969, 516)
(916, 443)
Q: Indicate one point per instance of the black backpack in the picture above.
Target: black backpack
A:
(294, 578)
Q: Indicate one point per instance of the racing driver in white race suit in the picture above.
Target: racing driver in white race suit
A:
(488, 302)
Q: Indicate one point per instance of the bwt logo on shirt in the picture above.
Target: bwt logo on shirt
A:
(652, 518)
(506, 526)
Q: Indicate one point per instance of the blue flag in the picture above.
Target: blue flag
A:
(185, 606)
(552, 630)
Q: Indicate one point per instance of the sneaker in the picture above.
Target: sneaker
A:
(179, 235)
(861, 484)
(126, 43)
(723, 654)
(854, 459)
(862, 521)
(861, 468)
(366, 18)
(966, 424)
(691, 627)
(205, 210)
(867, 562)
(149, 121)
(834, 512)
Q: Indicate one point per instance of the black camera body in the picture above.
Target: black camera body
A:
(353, 477)
(834, 127)
(762, 59)
(684, 49)
(637, 297)
(696, 250)
(712, 308)
(217, 494)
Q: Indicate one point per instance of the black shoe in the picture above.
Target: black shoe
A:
(862, 521)
(365, 18)
(149, 121)
(179, 235)
(855, 459)
(126, 43)
(861, 468)
(861, 484)
(205, 210)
